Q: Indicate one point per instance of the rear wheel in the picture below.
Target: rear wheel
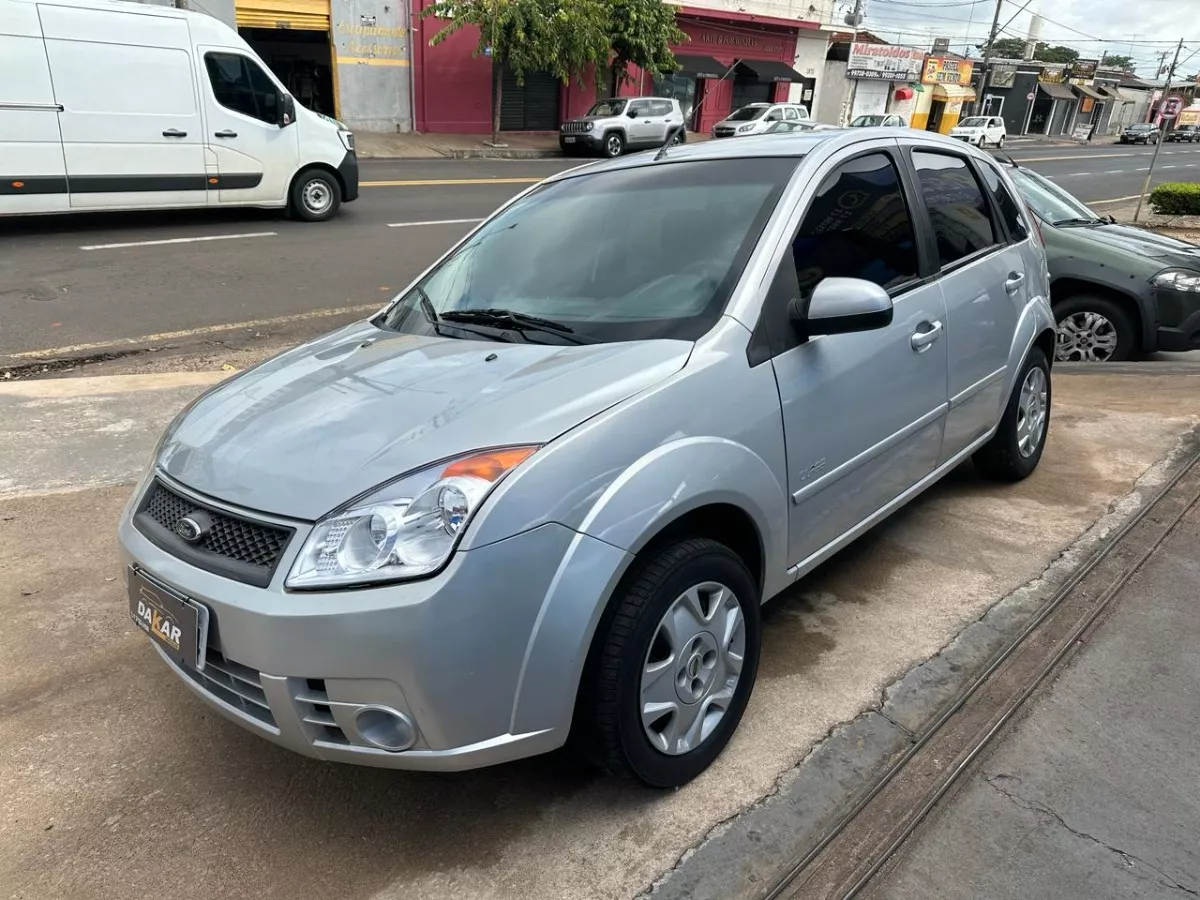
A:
(672, 665)
(316, 195)
(1093, 329)
(1000, 143)
(1016, 448)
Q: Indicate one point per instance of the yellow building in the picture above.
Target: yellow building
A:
(945, 86)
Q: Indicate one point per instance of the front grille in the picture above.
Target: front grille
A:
(313, 703)
(238, 548)
(238, 685)
(576, 127)
(724, 132)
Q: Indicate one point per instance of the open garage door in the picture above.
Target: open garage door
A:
(293, 39)
(303, 15)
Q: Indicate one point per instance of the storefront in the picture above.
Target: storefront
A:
(945, 87)
(731, 59)
(877, 72)
(293, 37)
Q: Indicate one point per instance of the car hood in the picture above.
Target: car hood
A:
(321, 424)
(1139, 242)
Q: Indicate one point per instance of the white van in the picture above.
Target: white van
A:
(106, 105)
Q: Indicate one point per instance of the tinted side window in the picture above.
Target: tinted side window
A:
(639, 109)
(789, 113)
(1010, 210)
(240, 84)
(660, 107)
(857, 227)
(961, 220)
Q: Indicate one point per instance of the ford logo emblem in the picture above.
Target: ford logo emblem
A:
(192, 527)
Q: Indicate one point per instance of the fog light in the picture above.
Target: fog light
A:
(385, 728)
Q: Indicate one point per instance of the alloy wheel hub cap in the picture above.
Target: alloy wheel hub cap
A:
(1085, 337)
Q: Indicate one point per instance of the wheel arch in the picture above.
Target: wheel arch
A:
(1066, 287)
(324, 167)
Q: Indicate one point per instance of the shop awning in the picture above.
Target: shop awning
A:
(1089, 92)
(1112, 93)
(1057, 91)
(770, 70)
(953, 92)
(700, 66)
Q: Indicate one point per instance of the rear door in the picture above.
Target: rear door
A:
(131, 125)
(982, 278)
(33, 173)
(862, 413)
(256, 156)
(641, 125)
(660, 119)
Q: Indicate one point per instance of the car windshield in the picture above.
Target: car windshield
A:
(973, 122)
(607, 108)
(866, 121)
(747, 114)
(629, 254)
(1048, 201)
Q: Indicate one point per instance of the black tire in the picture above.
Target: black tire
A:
(608, 727)
(1001, 459)
(1000, 143)
(1122, 324)
(315, 196)
(614, 144)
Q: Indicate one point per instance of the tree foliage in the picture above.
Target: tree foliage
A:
(1008, 48)
(1124, 63)
(1056, 54)
(641, 32)
(1014, 48)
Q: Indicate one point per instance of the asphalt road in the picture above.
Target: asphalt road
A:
(94, 284)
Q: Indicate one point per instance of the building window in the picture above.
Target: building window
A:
(992, 105)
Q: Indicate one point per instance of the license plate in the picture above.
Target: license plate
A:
(568, 140)
(176, 624)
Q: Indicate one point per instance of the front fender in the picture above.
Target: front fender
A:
(660, 487)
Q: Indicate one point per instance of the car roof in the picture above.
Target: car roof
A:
(790, 143)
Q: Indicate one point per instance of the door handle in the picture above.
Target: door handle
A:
(1015, 280)
(226, 134)
(922, 340)
(174, 132)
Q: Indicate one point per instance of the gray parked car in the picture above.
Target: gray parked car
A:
(527, 501)
(613, 126)
(1117, 291)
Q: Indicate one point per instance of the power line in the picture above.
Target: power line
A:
(1061, 25)
(930, 5)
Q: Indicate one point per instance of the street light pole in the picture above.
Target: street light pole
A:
(987, 55)
(1161, 122)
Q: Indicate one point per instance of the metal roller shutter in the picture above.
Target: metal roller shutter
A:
(532, 106)
(302, 15)
(746, 90)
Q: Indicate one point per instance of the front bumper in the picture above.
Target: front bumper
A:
(348, 171)
(449, 652)
(1178, 320)
(591, 141)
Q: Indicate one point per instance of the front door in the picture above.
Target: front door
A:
(255, 155)
(862, 413)
(984, 282)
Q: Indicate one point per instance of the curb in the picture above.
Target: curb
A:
(501, 153)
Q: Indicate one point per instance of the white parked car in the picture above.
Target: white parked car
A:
(757, 118)
(879, 121)
(981, 131)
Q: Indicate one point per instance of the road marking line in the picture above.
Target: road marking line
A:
(449, 181)
(54, 352)
(1113, 172)
(433, 222)
(1113, 200)
(189, 240)
(1076, 156)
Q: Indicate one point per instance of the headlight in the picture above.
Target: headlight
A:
(1177, 280)
(347, 138)
(408, 529)
(591, 126)
(749, 127)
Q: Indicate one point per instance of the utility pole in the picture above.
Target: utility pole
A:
(1161, 123)
(987, 54)
(854, 19)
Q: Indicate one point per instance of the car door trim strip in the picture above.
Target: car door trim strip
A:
(963, 396)
(34, 107)
(116, 184)
(869, 454)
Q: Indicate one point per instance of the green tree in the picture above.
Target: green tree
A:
(563, 37)
(1008, 48)
(1057, 54)
(1124, 63)
(642, 32)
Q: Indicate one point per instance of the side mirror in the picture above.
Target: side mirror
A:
(771, 118)
(841, 306)
(287, 110)
(633, 113)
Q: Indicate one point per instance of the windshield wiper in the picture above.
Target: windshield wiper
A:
(436, 321)
(1078, 221)
(517, 321)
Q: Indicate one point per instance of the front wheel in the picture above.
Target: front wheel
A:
(1015, 450)
(672, 665)
(614, 145)
(1093, 329)
(1000, 143)
(316, 195)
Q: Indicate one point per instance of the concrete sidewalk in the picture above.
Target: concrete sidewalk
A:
(410, 145)
(1095, 794)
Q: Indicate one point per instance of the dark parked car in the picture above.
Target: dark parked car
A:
(1140, 133)
(1116, 291)
(1184, 134)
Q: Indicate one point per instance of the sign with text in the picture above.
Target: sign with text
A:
(1052, 75)
(884, 62)
(946, 70)
(1084, 68)
(1002, 76)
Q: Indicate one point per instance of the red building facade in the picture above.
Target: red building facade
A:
(453, 88)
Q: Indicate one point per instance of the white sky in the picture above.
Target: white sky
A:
(1141, 29)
